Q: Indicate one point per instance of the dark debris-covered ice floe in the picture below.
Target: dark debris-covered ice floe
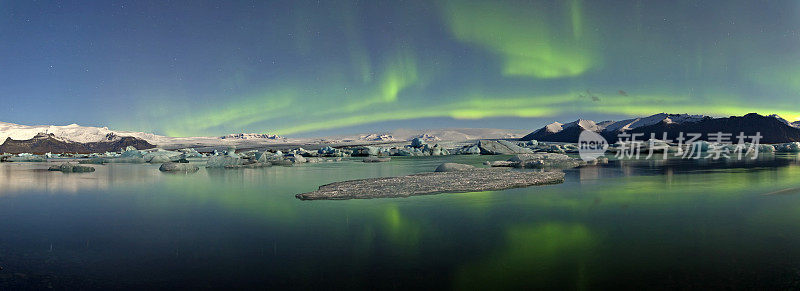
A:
(71, 168)
(479, 179)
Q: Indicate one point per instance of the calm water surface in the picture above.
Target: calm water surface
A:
(630, 224)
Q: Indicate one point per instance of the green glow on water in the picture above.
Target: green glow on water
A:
(647, 221)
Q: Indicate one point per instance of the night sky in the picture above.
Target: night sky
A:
(325, 67)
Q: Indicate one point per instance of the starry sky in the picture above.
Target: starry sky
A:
(306, 68)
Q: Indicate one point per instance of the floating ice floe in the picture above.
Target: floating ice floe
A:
(190, 153)
(178, 167)
(453, 167)
(541, 161)
(372, 159)
(25, 157)
(223, 161)
(71, 168)
(159, 156)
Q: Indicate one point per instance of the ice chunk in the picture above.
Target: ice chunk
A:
(71, 168)
(190, 153)
(296, 158)
(222, 161)
(161, 156)
(792, 147)
(366, 151)
(178, 167)
(766, 148)
(417, 142)
(131, 153)
(26, 158)
(124, 160)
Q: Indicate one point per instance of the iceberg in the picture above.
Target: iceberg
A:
(223, 161)
(501, 147)
(766, 148)
(331, 152)
(128, 153)
(453, 167)
(366, 151)
(792, 147)
(296, 158)
(190, 153)
(373, 159)
(417, 142)
(124, 160)
(469, 150)
(161, 156)
(71, 168)
(178, 167)
(25, 158)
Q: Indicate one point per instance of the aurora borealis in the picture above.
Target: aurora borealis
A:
(305, 67)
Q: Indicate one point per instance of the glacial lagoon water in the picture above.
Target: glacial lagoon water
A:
(629, 224)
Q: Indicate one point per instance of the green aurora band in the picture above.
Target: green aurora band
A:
(341, 65)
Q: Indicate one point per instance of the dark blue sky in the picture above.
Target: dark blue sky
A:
(307, 67)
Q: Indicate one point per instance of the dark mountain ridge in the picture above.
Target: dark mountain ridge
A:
(771, 128)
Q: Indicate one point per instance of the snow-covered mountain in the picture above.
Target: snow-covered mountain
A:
(252, 136)
(457, 134)
(795, 124)
(583, 124)
(429, 135)
(773, 128)
(629, 124)
(377, 137)
(72, 132)
(553, 127)
(784, 121)
(566, 132)
(569, 132)
(87, 134)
